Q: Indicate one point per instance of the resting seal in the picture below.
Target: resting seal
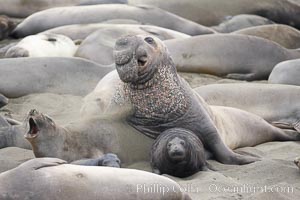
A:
(52, 178)
(3, 101)
(287, 72)
(6, 26)
(177, 152)
(43, 45)
(108, 160)
(161, 100)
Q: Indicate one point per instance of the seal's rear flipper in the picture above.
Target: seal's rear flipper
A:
(286, 125)
(3, 122)
(38, 163)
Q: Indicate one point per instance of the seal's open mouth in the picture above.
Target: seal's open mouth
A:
(33, 129)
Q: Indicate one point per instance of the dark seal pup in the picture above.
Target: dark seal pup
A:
(177, 152)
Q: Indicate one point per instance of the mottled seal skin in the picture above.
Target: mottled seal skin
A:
(6, 26)
(98, 13)
(3, 101)
(86, 138)
(12, 135)
(177, 152)
(53, 179)
(23, 76)
(212, 12)
(287, 72)
(240, 22)
(277, 104)
(229, 55)
(107, 160)
(284, 35)
(43, 45)
(99, 45)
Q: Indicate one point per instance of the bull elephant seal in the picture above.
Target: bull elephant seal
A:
(212, 12)
(98, 13)
(3, 101)
(52, 178)
(284, 35)
(277, 104)
(23, 76)
(43, 45)
(240, 22)
(177, 152)
(287, 72)
(250, 58)
(161, 100)
(6, 26)
(98, 46)
(86, 138)
(108, 160)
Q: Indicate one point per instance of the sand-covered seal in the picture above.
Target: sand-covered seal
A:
(3, 101)
(277, 104)
(229, 55)
(177, 152)
(160, 100)
(6, 26)
(234, 23)
(23, 76)
(284, 35)
(98, 13)
(43, 45)
(213, 12)
(99, 45)
(108, 160)
(52, 178)
(287, 72)
(86, 138)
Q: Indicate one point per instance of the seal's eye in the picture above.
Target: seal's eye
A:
(149, 40)
(52, 40)
(182, 143)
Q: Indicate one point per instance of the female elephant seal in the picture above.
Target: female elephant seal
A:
(177, 152)
(52, 178)
(287, 72)
(98, 13)
(161, 100)
(43, 45)
(228, 55)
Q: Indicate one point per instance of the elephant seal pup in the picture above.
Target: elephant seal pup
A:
(250, 58)
(240, 22)
(177, 152)
(12, 135)
(86, 138)
(98, 13)
(3, 101)
(161, 100)
(23, 76)
(6, 26)
(108, 160)
(287, 72)
(284, 35)
(52, 178)
(43, 45)
(277, 104)
(98, 46)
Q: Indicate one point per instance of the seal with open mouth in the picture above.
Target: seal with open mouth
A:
(161, 100)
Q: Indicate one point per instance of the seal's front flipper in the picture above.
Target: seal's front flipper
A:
(237, 76)
(38, 163)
